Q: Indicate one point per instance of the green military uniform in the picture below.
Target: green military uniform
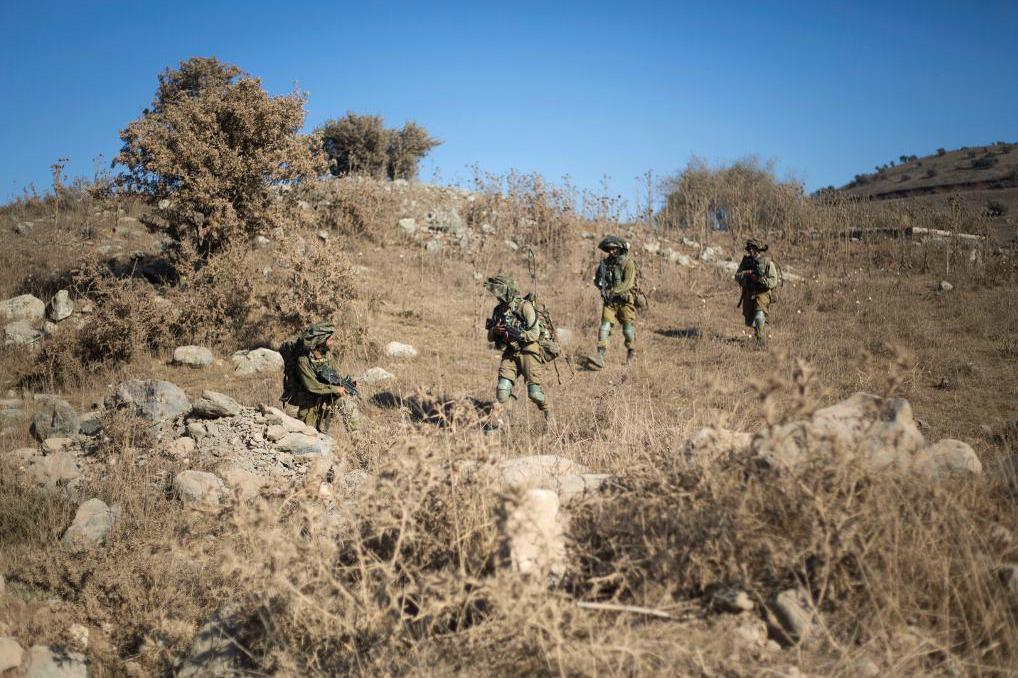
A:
(316, 400)
(757, 276)
(514, 328)
(616, 279)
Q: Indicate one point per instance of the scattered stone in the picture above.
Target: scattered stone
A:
(164, 204)
(947, 457)
(446, 220)
(944, 286)
(60, 306)
(689, 242)
(375, 375)
(53, 470)
(49, 329)
(304, 444)
(275, 433)
(54, 445)
(729, 267)
(710, 443)
(21, 333)
(733, 600)
(212, 405)
(534, 536)
(54, 662)
(214, 651)
(199, 487)
(586, 235)
(408, 226)
(56, 419)
(323, 236)
(574, 487)
(261, 242)
(11, 654)
(23, 227)
(256, 361)
(752, 632)
(651, 247)
(434, 245)
(90, 424)
(193, 356)
(512, 246)
(538, 470)
(274, 416)
(196, 429)
(78, 634)
(394, 349)
(793, 613)
(708, 255)
(153, 399)
(487, 229)
(92, 522)
(304, 205)
(181, 447)
(24, 307)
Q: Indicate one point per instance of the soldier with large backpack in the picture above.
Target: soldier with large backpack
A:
(617, 280)
(516, 329)
(759, 278)
(312, 383)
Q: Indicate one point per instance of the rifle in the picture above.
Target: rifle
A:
(602, 280)
(347, 383)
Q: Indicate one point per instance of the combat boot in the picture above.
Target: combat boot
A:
(630, 357)
(598, 362)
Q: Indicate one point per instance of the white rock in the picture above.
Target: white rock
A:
(60, 306)
(153, 399)
(53, 445)
(947, 457)
(305, 444)
(79, 635)
(257, 360)
(323, 236)
(213, 405)
(375, 375)
(261, 242)
(408, 226)
(11, 654)
(193, 356)
(92, 522)
(24, 307)
(21, 333)
(534, 534)
(275, 433)
(945, 286)
(793, 612)
(538, 470)
(53, 662)
(586, 235)
(54, 470)
(274, 416)
(434, 245)
(394, 349)
(199, 487)
(164, 204)
(708, 254)
(181, 447)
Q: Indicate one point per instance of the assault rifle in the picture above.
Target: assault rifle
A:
(602, 281)
(329, 376)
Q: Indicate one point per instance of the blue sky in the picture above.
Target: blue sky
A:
(585, 89)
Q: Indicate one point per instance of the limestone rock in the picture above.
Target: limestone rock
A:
(574, 487)
(732, 600)
(375, 375)
(275, 433)
(304, 444)
(23, 227)
(25, 307)
(56, 419)
(181, 447)
(193, 356)
(275, 416)
(434, 245)
(53, 470)
(710, 443)
(533, 534)
(212, 405)
(90, 424)
(60, 306)
(214, 651)
(395, 349)
(199, 487)
(52, 445)
(565, 335)
(153, 399)
(408, 226)
(794, 614)
(53, 662)
(92, 522)
(256, 361)
(947, 457)
(651, 247)
(21, 333)
(538, 470)
(945, 286)
(11, 654)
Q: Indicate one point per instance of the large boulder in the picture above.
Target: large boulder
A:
(192, 356)
(21, 333)
(948, 457)
(277, 417)
(55, 662)
(60, 306)
(213, 405)
(256, 361)
(569, 480)
(92, 522)
(199, 487)
(24, 307)
(56, 418)
(153, 399)
(533, 535)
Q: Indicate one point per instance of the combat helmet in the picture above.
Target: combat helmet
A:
(755, 244)
(502, 286)
(315, 335)
(612, 242)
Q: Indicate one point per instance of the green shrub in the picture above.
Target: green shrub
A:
(362, 145)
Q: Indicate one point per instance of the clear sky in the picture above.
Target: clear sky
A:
(585, 89)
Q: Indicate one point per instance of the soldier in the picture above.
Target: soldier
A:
(757, 276)
(616, 279)
(307, 383)
(515, 330)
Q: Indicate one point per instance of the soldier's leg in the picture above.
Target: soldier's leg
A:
(628, 318)
(532, 369)
(760, 305)
(507, 371)
(307, 414)
(604, 332)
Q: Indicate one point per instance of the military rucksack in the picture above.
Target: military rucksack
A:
(291, 351)
(548, 340)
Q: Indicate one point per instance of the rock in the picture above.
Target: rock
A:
(323, 236)
(586, 235)
(153, 399)
(164, 204)
(732, 600)
(23, 227)
(212, 405)
(53, 662)
(24, 307)
(305, 444)
(11, 654)
(92, 522)
(21, 333)
(793, 613)
(90, 424)
(196, 429)
(54, 470)
(729, 267)
(182, 447)
(49, 329)
(948, 457)
(434, 245)
(708, 444)
(304, 205)
(78, 634)
(275, 433)
(261, 242)
(565, 335)
(256, 361)
(408, 226)
(246, 483)
(274, 416)
(192, 356)
(56, 419)
(708, 254)
(576, 486)
(199, 487)
(214, 651)
(53, 445)
(512, 246)
(375, 375)
(446, 220)
(394, 349)
(689, 242)
(651, 247)
(533, 534)
(60, 306)
(538, 470)
(487, 229)
(945, 286)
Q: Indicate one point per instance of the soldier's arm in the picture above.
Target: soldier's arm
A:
(628, 278)
(532, 331)
(309, 380)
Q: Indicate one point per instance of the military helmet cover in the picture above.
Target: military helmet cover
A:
(755, 244)
(613, 242)
(502, 286)
(315, 335)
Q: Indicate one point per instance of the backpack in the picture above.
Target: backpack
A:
(291, 351)
(548, 341)
(781, 281)
(640, 300)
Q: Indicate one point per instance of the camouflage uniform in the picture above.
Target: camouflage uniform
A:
(514, 328)
(316, 400)
(616, 278)
(757, 276)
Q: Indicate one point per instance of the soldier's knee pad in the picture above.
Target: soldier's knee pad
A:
(629, 331)
(604, 331)
(503, 390)
(535, 393)
(759, 319)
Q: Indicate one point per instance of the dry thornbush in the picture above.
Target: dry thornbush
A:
(318, 284)
(228, 157)
(361, 209)
(216, 303)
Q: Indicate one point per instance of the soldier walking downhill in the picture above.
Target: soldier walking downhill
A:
(310, 382)
(616, 279)
(515, 329)
(758, 277)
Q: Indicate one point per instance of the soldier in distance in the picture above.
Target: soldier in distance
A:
(616, 279)
(758, 277)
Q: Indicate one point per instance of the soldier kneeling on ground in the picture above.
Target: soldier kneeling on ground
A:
(311, 380)
(758, 277)
(515, 329)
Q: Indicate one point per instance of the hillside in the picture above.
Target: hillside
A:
(714, 510)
